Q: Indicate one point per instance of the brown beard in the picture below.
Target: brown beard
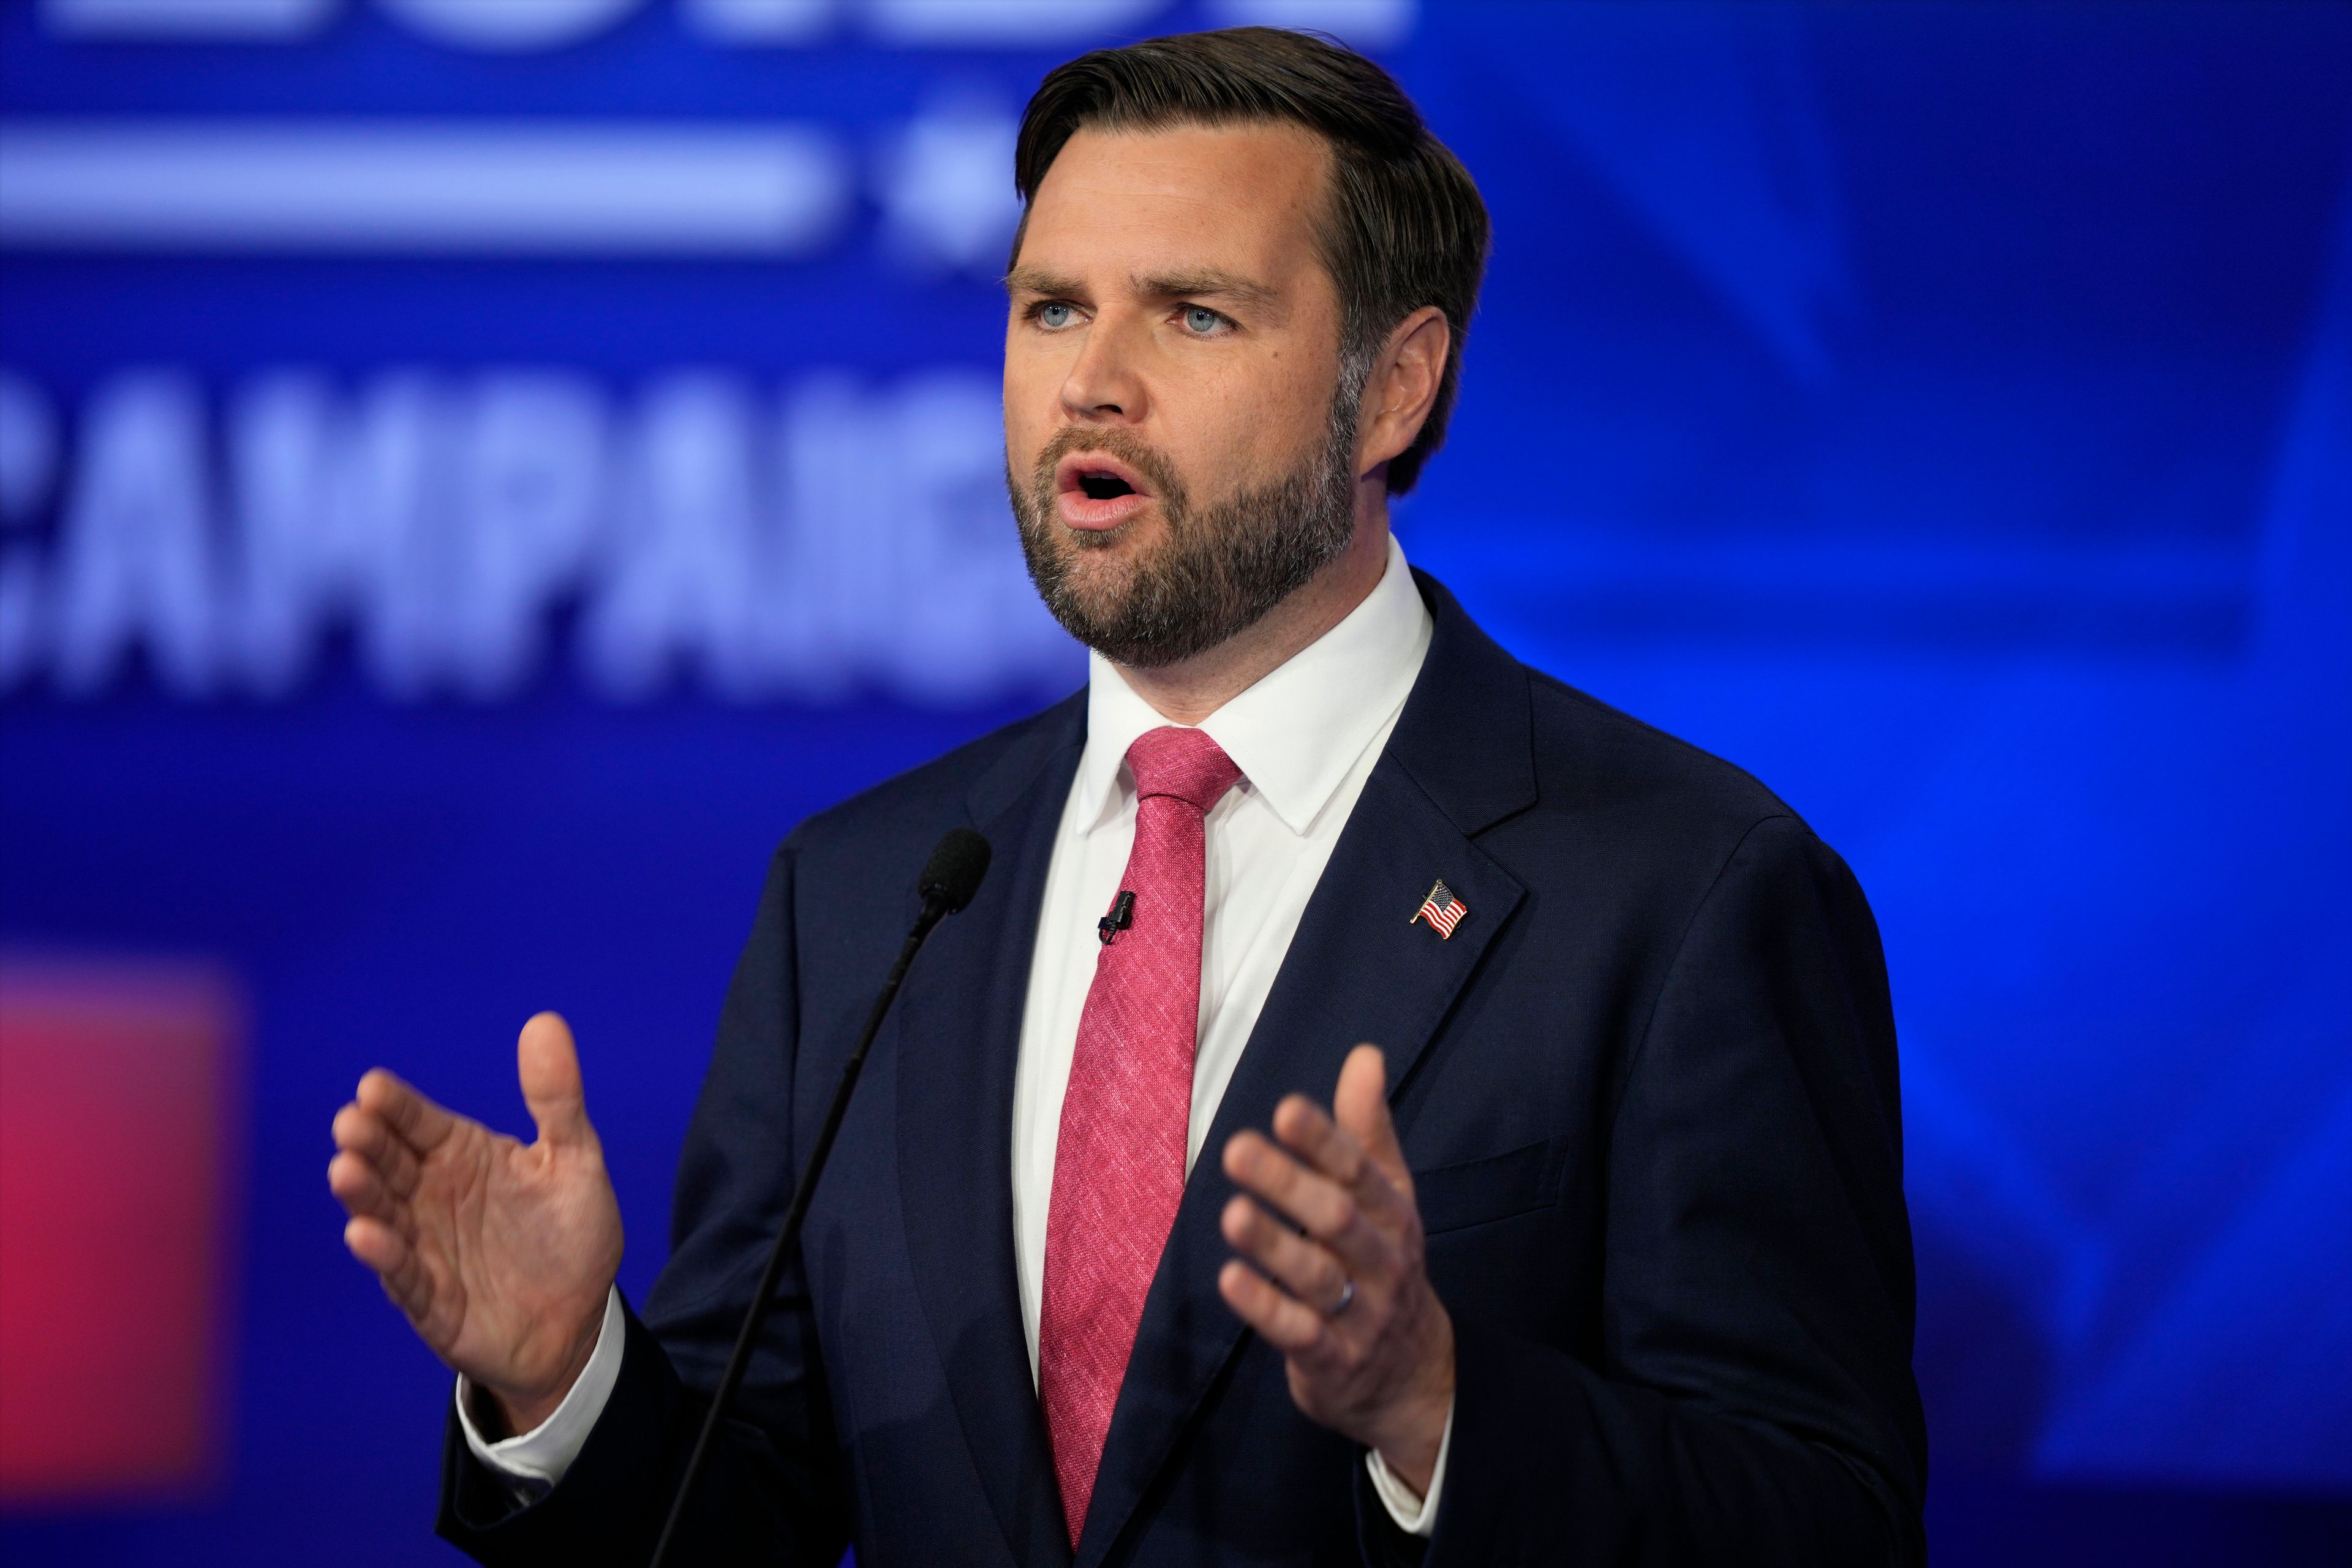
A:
(1219, 570)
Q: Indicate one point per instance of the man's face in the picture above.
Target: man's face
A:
(1178, 445)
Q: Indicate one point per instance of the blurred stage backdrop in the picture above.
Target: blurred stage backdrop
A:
(474, 473)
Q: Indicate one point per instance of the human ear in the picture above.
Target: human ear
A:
(1402, 386)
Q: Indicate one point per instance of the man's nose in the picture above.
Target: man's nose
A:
(1106, 383)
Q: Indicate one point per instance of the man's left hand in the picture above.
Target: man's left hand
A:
(1369, 1345)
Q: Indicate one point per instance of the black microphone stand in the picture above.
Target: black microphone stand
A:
(949, 882)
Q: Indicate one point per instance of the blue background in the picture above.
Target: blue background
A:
(1944, 413)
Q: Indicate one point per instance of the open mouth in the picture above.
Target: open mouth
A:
(1095, 491)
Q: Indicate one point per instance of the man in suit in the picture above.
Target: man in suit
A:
(1600, 1254)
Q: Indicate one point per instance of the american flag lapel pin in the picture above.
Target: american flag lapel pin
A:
(1442, 910)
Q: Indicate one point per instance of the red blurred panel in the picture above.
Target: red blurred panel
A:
(116, 1111)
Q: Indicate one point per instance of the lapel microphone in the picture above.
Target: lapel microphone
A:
(949, 879)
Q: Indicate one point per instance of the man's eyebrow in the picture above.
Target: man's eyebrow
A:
(1032, 280)
(1203, 283)
(1207, 280)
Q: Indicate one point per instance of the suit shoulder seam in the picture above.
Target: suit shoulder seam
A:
(1682, 944)
(1619, 719)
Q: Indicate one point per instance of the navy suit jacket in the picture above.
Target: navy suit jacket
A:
(1647, 1090)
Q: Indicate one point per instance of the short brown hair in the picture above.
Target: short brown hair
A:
(1405, 226)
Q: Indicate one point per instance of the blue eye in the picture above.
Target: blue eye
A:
(1054, 315)
(1200, 320)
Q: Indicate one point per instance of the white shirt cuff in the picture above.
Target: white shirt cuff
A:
(534, 1462)
(1413, 1514)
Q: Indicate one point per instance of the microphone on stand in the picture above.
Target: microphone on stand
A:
(949, 879)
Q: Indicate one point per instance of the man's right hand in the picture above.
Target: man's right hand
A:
(501, 1253)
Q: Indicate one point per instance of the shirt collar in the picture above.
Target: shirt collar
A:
(1295, 735)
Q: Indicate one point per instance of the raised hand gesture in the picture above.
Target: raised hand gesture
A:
(501, 1252)
(1367, 1345)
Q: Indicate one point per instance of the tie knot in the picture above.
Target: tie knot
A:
(1182, 762)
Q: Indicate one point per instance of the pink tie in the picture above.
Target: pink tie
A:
(1118, 1168)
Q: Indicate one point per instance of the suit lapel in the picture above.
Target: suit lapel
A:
(1357, 970)
(958, 1036)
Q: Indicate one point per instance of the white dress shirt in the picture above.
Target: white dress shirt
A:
(1306, 738)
